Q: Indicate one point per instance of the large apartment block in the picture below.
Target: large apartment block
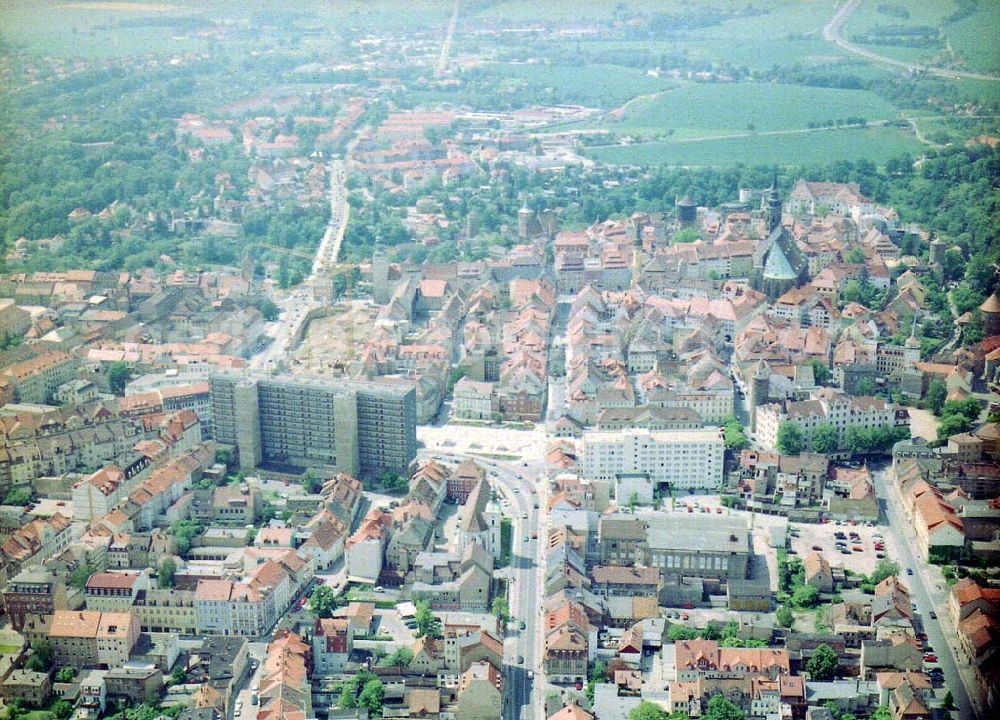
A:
(361, 428)
(636, 461)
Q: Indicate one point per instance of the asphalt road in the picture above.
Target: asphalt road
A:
(523, 696)
(928, 591)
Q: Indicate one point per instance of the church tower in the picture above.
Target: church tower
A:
(911, 349)
(380, 274)
(771, 206)
(760, 389)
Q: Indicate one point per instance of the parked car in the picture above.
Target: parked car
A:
(930, 658)
(520, 659)
(909, 571)
(933, 615)
(818, 548)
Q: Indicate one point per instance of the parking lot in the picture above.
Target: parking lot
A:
(857, 554)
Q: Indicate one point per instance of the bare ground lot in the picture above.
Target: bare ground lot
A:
(328, 341)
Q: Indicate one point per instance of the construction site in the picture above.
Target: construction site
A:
(331, 338)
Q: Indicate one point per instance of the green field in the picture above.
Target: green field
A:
(977, 38)
(973, 40)
(76, 28)
(699, 110)
(875, 144)
(602, 85)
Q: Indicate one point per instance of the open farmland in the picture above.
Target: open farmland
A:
(877, 144)
(696, 110)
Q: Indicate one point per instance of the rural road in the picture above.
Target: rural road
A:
(831, 33)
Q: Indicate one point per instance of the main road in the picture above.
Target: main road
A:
(295, 305)
(929, 593)
(516, 482)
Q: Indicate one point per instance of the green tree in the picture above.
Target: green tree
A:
(266, 512)
(935, 396)
(313, 484)
(427, 624)
(791, 441)
(882, 712)
(184, 534)
(62, 709)
(784, 616)
(825, 438)
(17, 496)
(400, 657)
(805, 596)
(348, 699)
(371, 696)
(823, 663)
(268, 310)
(968, 408)
(885, 569)
(648, 711)
(721, 709)
(948, 703)
(821, 373)
(79, 577)
(687, 235)
(735, 438)
(42, 655)
(66, 674)
(118, 377)
(322, 602)
(500, 609)
(598, 673)
(178, 676)
(677, 632)
(224, 456)
(953, 425)
(165, 573)
(866, 387)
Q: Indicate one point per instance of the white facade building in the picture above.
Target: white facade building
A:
(636, 460)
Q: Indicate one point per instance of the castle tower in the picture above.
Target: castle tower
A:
(938, 248)
(760, 389)
(991, 314)
(524, 217)
(771, 206)
(687, 210)
(380, 275)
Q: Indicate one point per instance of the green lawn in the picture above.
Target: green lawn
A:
(702, 110)
(875, 144)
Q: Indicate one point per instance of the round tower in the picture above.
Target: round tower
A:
(991, 315)
(524, 217)
(938, 248)
(687, 210)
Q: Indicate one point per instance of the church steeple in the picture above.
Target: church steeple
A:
(772, 206)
